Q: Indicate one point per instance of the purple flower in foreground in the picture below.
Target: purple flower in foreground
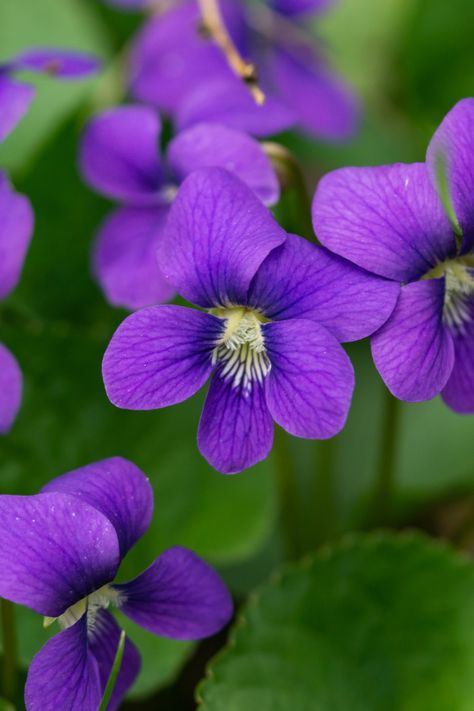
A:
(16, 96)
(275, 309)
(186, 76)
(120, 159)
(391, 221)
(16, 227)
(59, 554)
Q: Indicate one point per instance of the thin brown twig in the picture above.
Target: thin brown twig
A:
(213, 25)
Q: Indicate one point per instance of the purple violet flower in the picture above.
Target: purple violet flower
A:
(16, 228)
(16, 96)
(186, 76)
(120, 159)
(59, 554)
(391, 221)
(274, 308)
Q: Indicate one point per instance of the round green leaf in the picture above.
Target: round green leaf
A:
(378, 623)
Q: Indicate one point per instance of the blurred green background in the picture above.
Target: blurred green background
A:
(410, 61)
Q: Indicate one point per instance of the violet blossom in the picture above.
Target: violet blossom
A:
(59, 555)
(182, 72)
(16, 95)
(273, 310)
(394, 221)
(120, 158)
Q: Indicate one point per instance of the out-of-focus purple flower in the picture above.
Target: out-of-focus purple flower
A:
(120, 158)
(391, 220)
(274, 310)
(16, 227)
(176, 68)
(16, 96)
(59, 554)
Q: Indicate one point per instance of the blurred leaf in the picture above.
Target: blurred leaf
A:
(6, 705)
(65, 24)
(377, 623)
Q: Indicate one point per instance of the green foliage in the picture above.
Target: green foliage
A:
(377, 623)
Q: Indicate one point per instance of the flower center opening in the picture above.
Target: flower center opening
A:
(98, 600)
(240, 350)
(459, 289)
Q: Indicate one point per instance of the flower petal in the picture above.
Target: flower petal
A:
(207, 145)
(159, 356)
(458, 392)
(454, 141)
(16, 228)
(301, 280)
(15, 98)
(11, 386)
(236, 429)
(170, 57)
(54, 550)
(413, 351)
(104, 640)
(118, 489)
(125, 260)
(309, 387)
(178, 596)
(65, 64)
(324, 106)
(386, 219)
(301, 7)
(63, 675)
(119, 154)
(217, 235)
(228, 101)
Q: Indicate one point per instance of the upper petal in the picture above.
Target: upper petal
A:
(301, 7)
(119, 154)
(208, 144)
(458, 392)
(413, 351)
(118, 489)
(103, 640)
(236, 428)
(54, 550)
(63, 676)
(11, 385)
(15, 98)
(178, 596)
(16, 228)
(159, 356)
(66, 64)
(217, 235)
(228, 101)
(387, 219)
(301, 280)
(125, 260)
(453, 141)
(322, 103)
(310, 384)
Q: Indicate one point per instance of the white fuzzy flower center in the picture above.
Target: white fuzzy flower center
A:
(99, 600)
(459, 289)
(241, 348)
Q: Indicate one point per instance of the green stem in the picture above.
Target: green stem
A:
(7, 610)
(385, 482)
(323, 499)
(113, 674)
(288, 495)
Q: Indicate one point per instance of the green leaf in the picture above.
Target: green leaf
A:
(6, 705)
(377, 623)
(67, 24)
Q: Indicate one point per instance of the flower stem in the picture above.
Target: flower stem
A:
(113, 674)
(288, 495)
(7, 610)
(385, 482)
(213, 24)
